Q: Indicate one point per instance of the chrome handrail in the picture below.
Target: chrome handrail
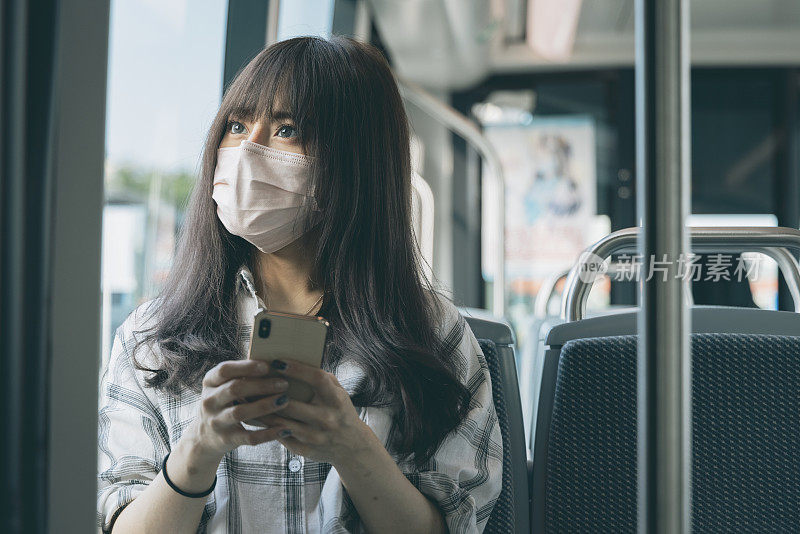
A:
(766, 240)
(788, 265)
(542, 300)
(545, 293)
(467, 129)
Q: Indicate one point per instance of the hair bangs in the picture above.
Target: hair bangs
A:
(284, 82)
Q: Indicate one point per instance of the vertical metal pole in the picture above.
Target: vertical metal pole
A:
(664, 364)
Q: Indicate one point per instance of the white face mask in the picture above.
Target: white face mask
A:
(260, 193)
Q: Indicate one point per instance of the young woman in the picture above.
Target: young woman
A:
(303, 206)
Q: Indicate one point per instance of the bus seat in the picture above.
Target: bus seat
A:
(512, 510)
(745, 423)
(531, 365)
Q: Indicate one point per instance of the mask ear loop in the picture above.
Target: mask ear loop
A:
(247, 277)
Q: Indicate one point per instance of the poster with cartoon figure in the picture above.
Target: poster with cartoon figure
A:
(550, 173)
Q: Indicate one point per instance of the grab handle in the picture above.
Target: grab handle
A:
(772, 242)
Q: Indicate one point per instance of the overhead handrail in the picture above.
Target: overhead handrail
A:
(458, 123)
(772, 242)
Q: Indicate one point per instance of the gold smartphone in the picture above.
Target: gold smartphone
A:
(282, 336)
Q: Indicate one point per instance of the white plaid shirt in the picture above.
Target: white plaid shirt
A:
(266, 488)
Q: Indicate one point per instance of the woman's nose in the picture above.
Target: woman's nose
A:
(259, 134)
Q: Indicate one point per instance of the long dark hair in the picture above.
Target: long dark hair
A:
(345, 103)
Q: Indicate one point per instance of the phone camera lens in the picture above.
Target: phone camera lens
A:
(264, 327)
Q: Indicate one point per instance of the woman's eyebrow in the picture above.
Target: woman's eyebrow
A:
(281, 115)
(237, 116)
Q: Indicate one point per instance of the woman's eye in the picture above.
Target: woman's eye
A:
(236, 128)
(287, 131)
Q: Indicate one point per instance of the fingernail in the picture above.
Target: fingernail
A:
(262, 366)
(280, 401)
(285, 432)
(278, 364)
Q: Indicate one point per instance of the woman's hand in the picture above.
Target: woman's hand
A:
(218, 426)
(193, 462)
(326, 429)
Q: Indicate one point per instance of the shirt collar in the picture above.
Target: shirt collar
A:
(246, 285)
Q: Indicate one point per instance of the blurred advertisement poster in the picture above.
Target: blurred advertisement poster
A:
(550, 174)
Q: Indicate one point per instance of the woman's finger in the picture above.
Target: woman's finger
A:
(298, 430)
(323, 382)
(256, 437)
(312, 414)
(224, 371)
(241, 388)
(250, 410)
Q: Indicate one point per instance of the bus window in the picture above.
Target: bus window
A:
(162, 92)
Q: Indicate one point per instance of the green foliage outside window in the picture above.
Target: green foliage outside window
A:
(135, 185)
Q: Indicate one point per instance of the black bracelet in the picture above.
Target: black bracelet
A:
(178, 490)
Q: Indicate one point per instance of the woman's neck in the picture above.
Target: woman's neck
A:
(284, 277)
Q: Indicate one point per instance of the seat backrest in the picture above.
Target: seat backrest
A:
(512, 510)
(745, 425)
(531, 366)
(504, 512)
(422, 219)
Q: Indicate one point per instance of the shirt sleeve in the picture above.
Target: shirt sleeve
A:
(464, 476)
(132, 435)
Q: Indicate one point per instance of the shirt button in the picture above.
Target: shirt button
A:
(294, 465)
